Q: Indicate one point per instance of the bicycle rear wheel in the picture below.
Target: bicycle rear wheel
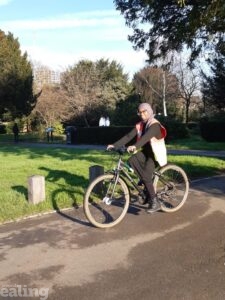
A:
(106, 201)
(172, 187)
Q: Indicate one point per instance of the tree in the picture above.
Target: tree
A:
(188, 80)
(156, 86)
(51, 107)
(213, 87)
(93, 88)
(126, 111)
(164, 25)
(16, 79)
(114, 84)
(81, 84)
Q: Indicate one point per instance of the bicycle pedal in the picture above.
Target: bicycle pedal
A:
(142, 201)
(133, 200)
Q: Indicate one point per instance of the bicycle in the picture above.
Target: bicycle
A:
(108, 196)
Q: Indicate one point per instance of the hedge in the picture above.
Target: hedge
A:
(109, 135)
(100, 135)
(2, 129)
(213, 131)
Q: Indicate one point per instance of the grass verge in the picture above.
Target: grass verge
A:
(66, 173)
(195, 142)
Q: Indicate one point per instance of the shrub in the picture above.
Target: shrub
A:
(213, 131)
(58, 128)
(175, 129)
(2, 129)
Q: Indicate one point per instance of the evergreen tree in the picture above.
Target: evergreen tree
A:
(213, 87)
(126, 111)
(16, 79)
(161, 26)
(94, 88)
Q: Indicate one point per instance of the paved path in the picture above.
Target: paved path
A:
(161, 256)
(198, 152)
(208, 153)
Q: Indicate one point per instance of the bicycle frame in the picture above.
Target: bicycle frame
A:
(121, 170)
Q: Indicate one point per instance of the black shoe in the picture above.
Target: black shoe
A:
(144, 198)
(154, 206)
(140, 183)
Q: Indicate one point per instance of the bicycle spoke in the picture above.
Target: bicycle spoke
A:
(106, 202)
(171, 187)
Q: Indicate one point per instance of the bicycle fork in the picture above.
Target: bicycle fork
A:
(109, 195)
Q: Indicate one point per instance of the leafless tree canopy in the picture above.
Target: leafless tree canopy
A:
(152, 87)
(51, 106)
(189, 84)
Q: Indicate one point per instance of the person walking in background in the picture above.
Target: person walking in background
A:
(102, 121)
(49, 134)
(107, 121)
(15, 130)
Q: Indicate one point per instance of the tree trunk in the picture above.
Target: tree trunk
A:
(187, 111)
(164, 94)
(86, 122)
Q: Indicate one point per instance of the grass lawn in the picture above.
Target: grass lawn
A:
(195, 142)
(66, 173)
(33, 137)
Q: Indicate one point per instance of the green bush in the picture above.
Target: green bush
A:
(175, 129)
(58, 128)
(2, 129)
(213, 131)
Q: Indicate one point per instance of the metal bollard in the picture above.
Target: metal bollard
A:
(94, 172)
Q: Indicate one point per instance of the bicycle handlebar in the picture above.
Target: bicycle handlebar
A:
(120, 150)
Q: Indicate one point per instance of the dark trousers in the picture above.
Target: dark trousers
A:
(49, 136)
(144, 168)
(16, 137)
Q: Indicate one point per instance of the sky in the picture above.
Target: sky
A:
(59, 33)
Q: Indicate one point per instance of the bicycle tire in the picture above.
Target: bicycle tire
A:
(101, 209)
(172, 187)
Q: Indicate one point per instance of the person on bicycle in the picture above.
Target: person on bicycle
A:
(149, 151)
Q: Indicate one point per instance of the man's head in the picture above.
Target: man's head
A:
(145, 112)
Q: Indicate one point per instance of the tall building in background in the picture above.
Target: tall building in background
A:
(45, 76)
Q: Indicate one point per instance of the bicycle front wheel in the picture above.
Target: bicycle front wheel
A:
(171, 186)
(106, 201)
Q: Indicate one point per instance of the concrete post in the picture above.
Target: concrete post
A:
(36, 189)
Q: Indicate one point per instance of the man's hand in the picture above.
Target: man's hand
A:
(110, 147)
(132, 149)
